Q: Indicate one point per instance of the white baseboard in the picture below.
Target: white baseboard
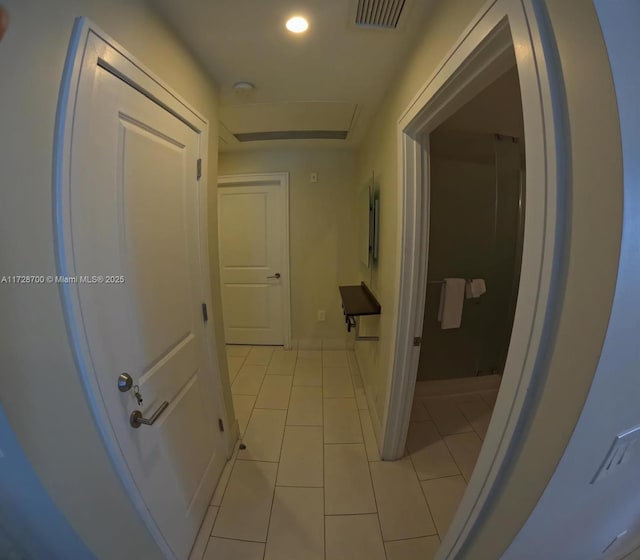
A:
(458, 386)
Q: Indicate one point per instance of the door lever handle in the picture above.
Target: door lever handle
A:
(136, 420)
(276, 275)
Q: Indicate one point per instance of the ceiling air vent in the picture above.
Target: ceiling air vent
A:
(382, 14)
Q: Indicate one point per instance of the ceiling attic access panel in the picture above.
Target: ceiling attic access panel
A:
(283, 121)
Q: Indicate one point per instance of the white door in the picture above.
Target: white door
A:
(134, 217)
(254, 258)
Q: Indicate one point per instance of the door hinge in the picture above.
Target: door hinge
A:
(199, 168)
(417, 341)
(205, 315)
(221, 424)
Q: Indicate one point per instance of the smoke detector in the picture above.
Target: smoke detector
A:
(243, 88)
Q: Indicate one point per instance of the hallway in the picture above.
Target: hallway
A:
(310, 483)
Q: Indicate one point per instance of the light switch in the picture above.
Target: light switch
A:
(621, 450)
(313, 177)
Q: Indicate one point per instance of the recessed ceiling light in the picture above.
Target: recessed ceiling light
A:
(297, 24)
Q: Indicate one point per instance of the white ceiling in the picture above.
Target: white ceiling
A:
(334, 63)
(496, 110)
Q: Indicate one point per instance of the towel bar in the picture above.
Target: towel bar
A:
(467, 280)
(358, 337)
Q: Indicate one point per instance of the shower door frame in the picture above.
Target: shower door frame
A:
(431, 365)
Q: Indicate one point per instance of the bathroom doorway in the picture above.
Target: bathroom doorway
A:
(485, 53)
(476, 225)
(476, 230)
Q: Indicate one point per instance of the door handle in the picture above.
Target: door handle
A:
(136, 420)
(276, 275)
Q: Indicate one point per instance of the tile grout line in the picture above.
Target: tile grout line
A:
(237, 451)
(440, 477)
(456, 405)
(239, 540)
(424, 495)
(253, 408)
(367, 513)
(412, 538)
(275, 482)
(232, 462)
(442, 438)
(234, 455)
(324, 471)
(415, 472)
(375, 499)
(209, 536)
(451, 452)
(470, 422)
(364, 441)
(296, 486)
(361, 442)
(232, 381)
(454, 459)
(373, 488)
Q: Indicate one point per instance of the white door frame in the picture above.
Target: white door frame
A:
(266, 180)
(91, 47)
(481, 54)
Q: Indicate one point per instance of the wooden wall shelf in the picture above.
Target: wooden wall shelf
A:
(356, 302)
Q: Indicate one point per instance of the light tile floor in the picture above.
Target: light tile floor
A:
(310, 484)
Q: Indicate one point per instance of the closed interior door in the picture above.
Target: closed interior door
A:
(134, 207)
(253, 235)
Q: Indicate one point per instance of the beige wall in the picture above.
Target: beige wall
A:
(39, 385)
(589, 260)
(322, 232)
(379, 153)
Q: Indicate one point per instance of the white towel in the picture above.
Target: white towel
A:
(475, 288)
(451, 302)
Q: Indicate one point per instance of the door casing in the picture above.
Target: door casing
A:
(90, 47)
(480, 55)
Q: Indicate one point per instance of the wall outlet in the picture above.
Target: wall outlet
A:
(313, 177)
(322, 315)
